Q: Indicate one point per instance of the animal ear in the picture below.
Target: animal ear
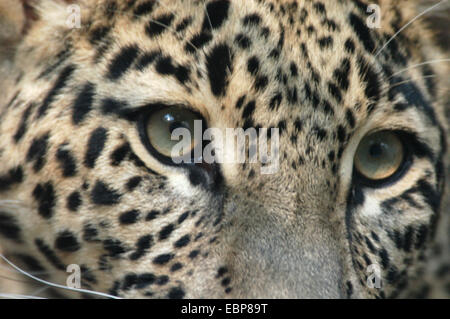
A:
(17, 18)
(14, 17)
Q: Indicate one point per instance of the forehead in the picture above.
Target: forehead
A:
(258, 64)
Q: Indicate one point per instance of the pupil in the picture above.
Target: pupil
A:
(376, 150)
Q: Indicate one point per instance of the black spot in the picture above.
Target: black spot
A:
(14, 176)
(408, 238)
(145, 280)
(176, 266)
(226, 281)
(119, 154)
(183, 217)
(363, 32)
(95, 146)
(166, 231)
(122, 62)
(349, 46)
(183, 241)
(23, 123)
(59, 85)
(103, 195)
(341, 134)
(97, 34)
(176, 293)
(133, 182)
(66, 160)
(162, 280)
(129, 281)
(112, 106)
(129, 217)
(248, 110)
(198, 41)
(218, 63)
(430, 195)
(292, 95)
(37, 152)
(326, 42)
(293, 68)
(251, 19)
(253, 65)
(158, 25)
(334, 91)
(349, 289)
(216, 13)
(319, 132)
(319, 8)
(9, 227)
(83, 103)
(183, 24)
(146, 59)
(275, 101)
(66, 241)
(193, 254)
(243, 41)
(421, 236)
(350, 118)
(261, 82)
(90, 233)
(144, 8)
(152, 215)
(45, 196)
(165, 66)
(49, 254)
(142, 245)
(341, 75)
(74, 201)
(384, 256)
(163, 259)
(370, 77)
(240, 101)
(32, 263)
(114, 247)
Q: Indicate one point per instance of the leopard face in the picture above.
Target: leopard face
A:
(84, 179)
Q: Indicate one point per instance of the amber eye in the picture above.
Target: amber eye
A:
(379, 155)
(160, 125)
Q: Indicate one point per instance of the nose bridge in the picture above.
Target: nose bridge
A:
(280, 253)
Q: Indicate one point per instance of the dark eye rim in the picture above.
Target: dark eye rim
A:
(142, 122)
(407, 140)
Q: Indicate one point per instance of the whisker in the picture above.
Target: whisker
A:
(18, 296)
(410, 80)
(38, 291)
(406, 25)
(418, 65)
(207, 15)
(57, 285)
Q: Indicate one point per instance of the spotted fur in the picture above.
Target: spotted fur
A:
(78, 186)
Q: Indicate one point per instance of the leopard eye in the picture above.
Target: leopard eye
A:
(379, 156)
(161, 123)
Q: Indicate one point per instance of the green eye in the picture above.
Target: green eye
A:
(379, 155)
(161, 123)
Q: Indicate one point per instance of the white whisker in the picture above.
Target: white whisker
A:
(18, 296)
(57, 285)
(406, 25)
(419, 64)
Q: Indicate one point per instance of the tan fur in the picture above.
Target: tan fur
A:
(282, 235)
